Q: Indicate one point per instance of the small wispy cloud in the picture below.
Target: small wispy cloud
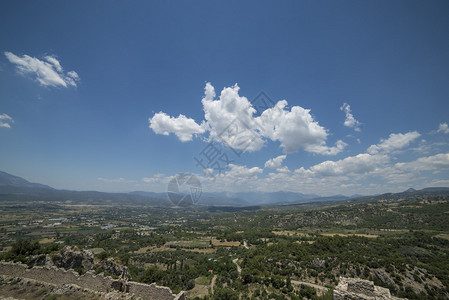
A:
(6, 121)
(47, 72)
(276, 162)
(157, 178)
(108, 180)
(444, 128)
(394, 142)
(350, 121)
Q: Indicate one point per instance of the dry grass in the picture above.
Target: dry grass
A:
(201, 289)
(218, 243)
(96, 250)
(443, 236)
(144, 250)
(46, 241)
(207, 250)
(305, 242)
(289, 233)
(166, 248)
(161, 249)
(352, 234)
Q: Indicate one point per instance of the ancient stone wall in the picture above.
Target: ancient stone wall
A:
(89, 280)
(359, 289)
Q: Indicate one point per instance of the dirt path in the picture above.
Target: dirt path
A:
(315, 286)
(212, 284)
(238, 267)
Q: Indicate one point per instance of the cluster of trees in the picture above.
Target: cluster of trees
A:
(22, 250)
(351, 256)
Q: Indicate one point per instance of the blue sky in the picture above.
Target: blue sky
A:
(91, 94)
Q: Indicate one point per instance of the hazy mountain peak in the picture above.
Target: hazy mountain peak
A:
(15, 181)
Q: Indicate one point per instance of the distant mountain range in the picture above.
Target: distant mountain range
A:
(17, 188)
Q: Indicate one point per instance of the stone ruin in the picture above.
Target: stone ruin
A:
(90, 281)
(60, 269)
(359, 289)
(70, 259)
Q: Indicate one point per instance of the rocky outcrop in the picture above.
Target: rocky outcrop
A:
(66, 259)
(319, 263)
(383, 277)
(70, 259)
(359, 289)
(111, 267)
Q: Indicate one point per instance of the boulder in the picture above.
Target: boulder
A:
(383, 277)
(319, 263)
(359, 289)
(72, 259)
(111, 267)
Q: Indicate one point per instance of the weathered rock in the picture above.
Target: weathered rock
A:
(383, 277)
(111, 267)
(70, 259)
(319, 263)
(359, 289)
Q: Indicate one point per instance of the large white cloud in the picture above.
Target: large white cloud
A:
(181, 126)
(230, 119)
(394, 142)
(5, 121)
(48, 72)
(350, 121)
(296, 129)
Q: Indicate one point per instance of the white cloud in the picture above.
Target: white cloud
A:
(55, 63)
(48, 72)
(276, 162)
(181, 126)
(236, 178)
(360, 164)
(283, 169)
(230, 120)
(444, 128)
(394, 142)
(107, 180)
(5, 121)
(360, 174)
(157, 178)
(350, 121)
(325, 150)
(296, 129)
(428, 163)
(237, 171)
